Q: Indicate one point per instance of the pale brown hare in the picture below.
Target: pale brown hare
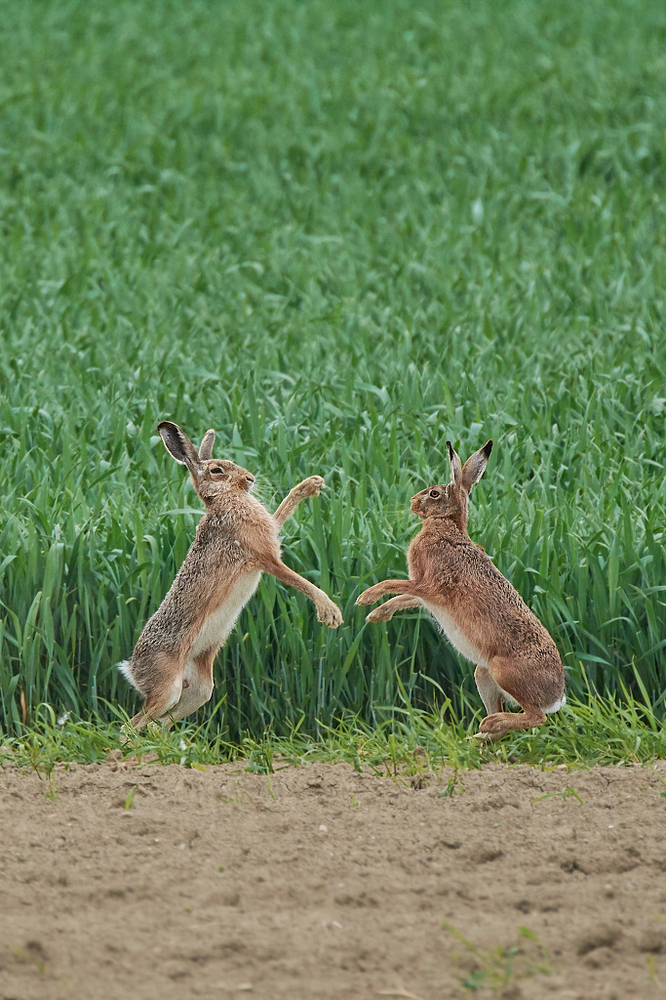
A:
(478, 610)
(236, 541)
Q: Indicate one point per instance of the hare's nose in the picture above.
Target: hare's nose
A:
(249, 478)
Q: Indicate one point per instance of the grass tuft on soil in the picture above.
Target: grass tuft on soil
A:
(583, 734)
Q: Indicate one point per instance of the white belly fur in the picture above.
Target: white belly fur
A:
(217, 626)
(454, 634)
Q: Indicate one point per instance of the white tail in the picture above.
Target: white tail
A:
(125, 668)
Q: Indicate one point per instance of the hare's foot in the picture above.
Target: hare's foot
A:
(493, 727)
(400, 603)
(140, 721)
(311, 486)
(136, 723)
(329, 615)
(403, 588)
(370, 595)
(498, 725)
(380, 614)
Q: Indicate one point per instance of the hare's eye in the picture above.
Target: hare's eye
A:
(217, 472)
(434, 494)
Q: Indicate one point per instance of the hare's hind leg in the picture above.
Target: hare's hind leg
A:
(519, 686)
(197, 686)
(491, 694)
(162, 685)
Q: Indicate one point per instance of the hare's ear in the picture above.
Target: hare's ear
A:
(206, 448)
(178, 444)
(456, 467)
(475, 466)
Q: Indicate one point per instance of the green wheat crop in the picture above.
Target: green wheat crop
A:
(339, 233)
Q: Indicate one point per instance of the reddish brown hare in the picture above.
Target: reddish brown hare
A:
(478, 610)
(236, 540)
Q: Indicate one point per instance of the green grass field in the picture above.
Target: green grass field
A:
(338, 233)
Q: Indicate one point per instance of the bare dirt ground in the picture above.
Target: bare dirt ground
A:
(324, 883)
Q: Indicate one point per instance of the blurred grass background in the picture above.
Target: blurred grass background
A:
(338, 233)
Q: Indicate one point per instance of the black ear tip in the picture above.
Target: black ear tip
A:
(450, 447)
(488, 446)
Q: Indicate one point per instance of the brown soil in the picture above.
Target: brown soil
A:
(324, 883)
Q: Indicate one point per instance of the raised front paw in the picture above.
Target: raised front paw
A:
(330, 615)
(379, 614)
(369, 596)
(310, 487)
